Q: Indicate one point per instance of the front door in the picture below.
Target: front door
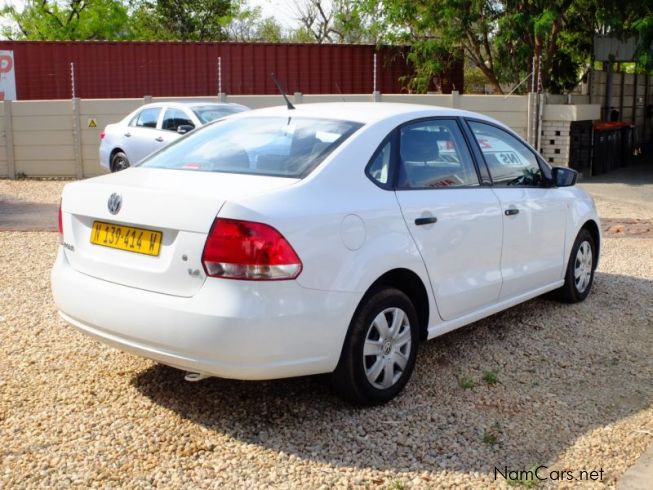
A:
(172, 119)
(455, 222)
(534, 215)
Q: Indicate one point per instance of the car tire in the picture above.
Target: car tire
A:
(579, 276)
(380, 349)
(119, 162)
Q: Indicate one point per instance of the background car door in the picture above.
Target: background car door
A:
(455, 222)
(534, 214)
(138, 140)
(172, 119)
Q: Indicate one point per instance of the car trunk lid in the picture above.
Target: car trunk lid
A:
(180, 204)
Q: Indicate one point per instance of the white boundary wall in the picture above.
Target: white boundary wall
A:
(52, 138)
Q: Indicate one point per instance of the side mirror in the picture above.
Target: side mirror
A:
(185, 128)
(564, 177)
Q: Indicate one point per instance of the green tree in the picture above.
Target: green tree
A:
(501, 38)
(269, 30)
(333, 21)
(551, 36)
(41, 20)
(625, 18)
(437, 31)
(181, 20)
(248, 24)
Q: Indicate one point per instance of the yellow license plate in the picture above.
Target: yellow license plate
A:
(136, 240)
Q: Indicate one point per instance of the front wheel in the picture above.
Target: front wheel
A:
(379, 353)
(580, 269)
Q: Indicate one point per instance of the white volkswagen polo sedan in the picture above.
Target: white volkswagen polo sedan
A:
(332, 238)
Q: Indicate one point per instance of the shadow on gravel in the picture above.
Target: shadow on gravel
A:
(27, 216)
(563, 370)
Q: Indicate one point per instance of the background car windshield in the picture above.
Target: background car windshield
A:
(279, 146)
(208, 113)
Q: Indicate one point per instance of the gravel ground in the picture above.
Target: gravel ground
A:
(574, 391)
(29, 205)
(38, 191)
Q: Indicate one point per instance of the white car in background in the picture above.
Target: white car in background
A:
(153, 126)
(330, 238)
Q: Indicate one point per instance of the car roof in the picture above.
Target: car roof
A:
(367, 112)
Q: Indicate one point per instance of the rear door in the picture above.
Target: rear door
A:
(534, 214)
(454, 220)
(172, 119)
(138, 138)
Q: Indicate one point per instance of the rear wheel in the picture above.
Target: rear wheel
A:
(580, 269)
(379, 353)
(119, 162)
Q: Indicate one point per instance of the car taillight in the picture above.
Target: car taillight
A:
(247, 250)
(101, 135)
(60, 224)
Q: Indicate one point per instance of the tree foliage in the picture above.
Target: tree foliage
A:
(334, 21)
(624, 18)
(249, 25)
(181, 20)
(67, 20)
(504, 39)
(499, 37)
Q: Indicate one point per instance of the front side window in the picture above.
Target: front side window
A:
(510, 162)
(434, 154)
(147, 118)
(173, 118)
(278, 146)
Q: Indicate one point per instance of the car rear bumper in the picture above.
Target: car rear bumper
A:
(230, 329)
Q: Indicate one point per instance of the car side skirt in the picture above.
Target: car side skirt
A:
(447, 326)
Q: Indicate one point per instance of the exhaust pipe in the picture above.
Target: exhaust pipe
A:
(195, 377)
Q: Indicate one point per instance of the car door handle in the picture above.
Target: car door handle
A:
(128, 135)
(159, 139)
(429, 220)
(511, 211)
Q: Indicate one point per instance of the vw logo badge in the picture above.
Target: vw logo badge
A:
(115, 203)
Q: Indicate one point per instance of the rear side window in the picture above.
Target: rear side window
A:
(434, 154)
(173, 118)
(379, 168)
(147, 118)
(510, 162)
(278, 146)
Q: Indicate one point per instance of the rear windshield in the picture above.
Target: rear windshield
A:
(278, 146)
(208, 113)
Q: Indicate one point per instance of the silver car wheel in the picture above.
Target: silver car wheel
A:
(583, 266)
(387, 348)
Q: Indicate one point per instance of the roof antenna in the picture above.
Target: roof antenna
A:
(283, 92)
(340, 92)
